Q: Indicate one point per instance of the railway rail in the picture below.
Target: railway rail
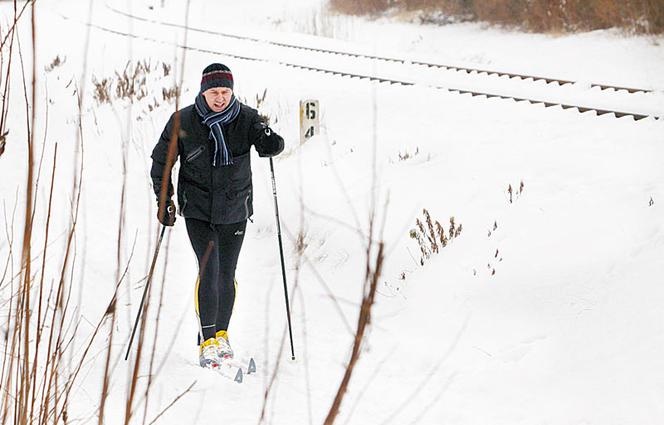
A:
(467, 70)
(375, 78)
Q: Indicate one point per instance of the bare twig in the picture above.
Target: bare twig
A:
(364, 319)
(430, 374)
(173, 402)
(16, 19)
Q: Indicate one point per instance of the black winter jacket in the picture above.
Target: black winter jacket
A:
(218, 195)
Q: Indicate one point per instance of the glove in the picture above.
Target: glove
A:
(269, 143)
(262, 130)
(166, 215)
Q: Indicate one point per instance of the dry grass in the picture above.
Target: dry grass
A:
(360, 7)
(57, 61)
(639, 16)
(41, 369)
(430, 236)
(135, 82)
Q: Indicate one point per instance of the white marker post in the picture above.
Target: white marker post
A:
(309, 119)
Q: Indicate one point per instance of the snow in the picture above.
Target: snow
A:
(568, 330)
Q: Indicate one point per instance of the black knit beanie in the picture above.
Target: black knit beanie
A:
(216, 75)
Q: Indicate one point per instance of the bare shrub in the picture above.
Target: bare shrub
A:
(133, 81)
(360, 7)
(407, 155)
(641, 16)
(169, 94)
(102, 92)
(427, 238)
(166, 68)
(55, 63)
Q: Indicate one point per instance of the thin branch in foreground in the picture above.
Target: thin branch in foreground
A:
(430, 374)
(173, 402)
(373, 271)
(362, 323)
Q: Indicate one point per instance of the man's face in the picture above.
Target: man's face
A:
(218, 98)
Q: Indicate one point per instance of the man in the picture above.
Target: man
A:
(214, 195)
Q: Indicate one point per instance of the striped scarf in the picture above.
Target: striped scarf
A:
(214, 120)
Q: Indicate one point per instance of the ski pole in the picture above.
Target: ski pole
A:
(281, 253)
(145, 290)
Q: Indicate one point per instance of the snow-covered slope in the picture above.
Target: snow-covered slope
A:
(544, 310)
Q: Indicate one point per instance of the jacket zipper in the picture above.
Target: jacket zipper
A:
(211, 191)
(195, 154)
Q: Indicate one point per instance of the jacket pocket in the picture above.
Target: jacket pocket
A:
(187, 179)
(195, 154)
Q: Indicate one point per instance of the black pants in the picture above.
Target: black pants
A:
(217, 247)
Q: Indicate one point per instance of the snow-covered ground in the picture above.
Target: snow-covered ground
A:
(545, 310)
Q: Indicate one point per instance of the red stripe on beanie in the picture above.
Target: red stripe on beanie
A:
(217, 75)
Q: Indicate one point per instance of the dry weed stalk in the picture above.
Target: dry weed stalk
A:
(164, 191)
(424, 248)
(166, 68)
(432, 234)
(515, 194)
(55, 63)
(441, 234)
(168, 94)
(407, 155)
(373, 271)
(102, 93)
(131, 84)
(11, 35)
(426, 238)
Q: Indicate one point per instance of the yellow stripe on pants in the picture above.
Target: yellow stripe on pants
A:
(198, 312)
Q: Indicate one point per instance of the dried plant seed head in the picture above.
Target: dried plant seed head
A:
(420, 226)
(441, 233)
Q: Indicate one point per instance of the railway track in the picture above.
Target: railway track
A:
(467, 70)
(374, 78)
